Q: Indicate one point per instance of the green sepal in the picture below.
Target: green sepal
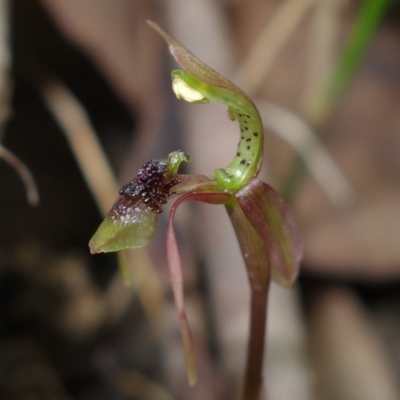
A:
(195, 67)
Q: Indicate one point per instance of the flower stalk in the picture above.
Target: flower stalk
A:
(255, 353)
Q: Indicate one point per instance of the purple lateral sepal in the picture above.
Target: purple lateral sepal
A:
(274, 221)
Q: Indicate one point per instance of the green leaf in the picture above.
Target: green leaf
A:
(129, 224)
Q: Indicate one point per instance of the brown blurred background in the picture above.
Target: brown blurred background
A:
(85, 96)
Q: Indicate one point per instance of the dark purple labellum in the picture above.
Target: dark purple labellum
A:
(152, 184)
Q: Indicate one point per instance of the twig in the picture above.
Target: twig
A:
(72, 118)
(324, 33)
(135, 384)
(27, 178)
(5, 82)
(313, 154)
(87, 149)
(365, 25)
(351, 360)
(258, 61)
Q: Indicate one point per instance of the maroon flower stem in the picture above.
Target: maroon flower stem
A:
(255, 355)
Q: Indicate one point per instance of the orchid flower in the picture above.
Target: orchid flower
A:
(264, 225)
